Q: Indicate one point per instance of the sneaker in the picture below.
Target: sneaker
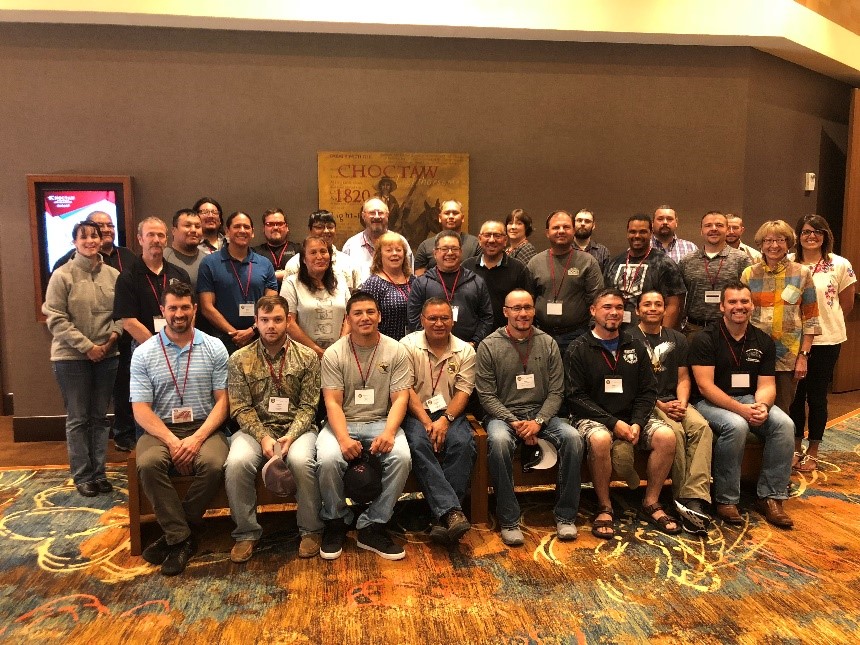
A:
(104, 486)
(309, 547)
(455, 524)
(438, 533)
(513, 536)
(566, 531)
(87, 489)
(242, 551)
(694, 519)
(156, 552)
(333, 537)
(178, 557)
(375, 538)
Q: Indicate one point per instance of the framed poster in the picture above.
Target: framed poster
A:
(413, 184)
(57, 203)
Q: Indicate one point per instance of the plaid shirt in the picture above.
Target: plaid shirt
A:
(677, 249)
(250, 385)
(786, 306)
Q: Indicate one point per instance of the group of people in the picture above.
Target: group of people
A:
(222, 357)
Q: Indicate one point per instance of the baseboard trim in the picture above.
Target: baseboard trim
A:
(26, 429)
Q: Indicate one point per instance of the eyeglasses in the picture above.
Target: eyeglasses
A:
(810, 232)
(518, 308)
(448, 249)
(494, 236)
(208, 211)
(276, 224)
(770, 241)
(324, 227)
(435, 319)
(376, 212)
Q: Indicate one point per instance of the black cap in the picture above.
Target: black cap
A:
(362, 481)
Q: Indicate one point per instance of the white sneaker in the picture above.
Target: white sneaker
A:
(513, 536)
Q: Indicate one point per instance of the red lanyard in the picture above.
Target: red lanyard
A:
(247, 288)
(400, 287)
(370, 364)
(729, 344)
(708, 273)
(632, 282)
(278, 259)
(277, 379)
(366, 243)
(172, 375)
(820, 266)
(453, 287)
(606, 356)
(435, 383)
(118, 258)
(524, 361)
(552, 273)
(163, 285)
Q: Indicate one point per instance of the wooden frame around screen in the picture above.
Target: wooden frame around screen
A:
(122, 184)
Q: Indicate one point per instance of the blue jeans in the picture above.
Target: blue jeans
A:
(331, 466)
(730, 430)
(502, 441)
(87, 389)
(443, 484)
(240, 480)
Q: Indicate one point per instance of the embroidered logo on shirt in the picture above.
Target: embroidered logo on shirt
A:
(630, 356)
(753, 355)
(384, 367)
(452, 367)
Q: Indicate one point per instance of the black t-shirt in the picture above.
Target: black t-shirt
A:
(668, 351)
(503, 278)
(754, 354)
(278, 255)
(138, 292)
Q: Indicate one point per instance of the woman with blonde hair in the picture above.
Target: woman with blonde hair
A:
(390, 282)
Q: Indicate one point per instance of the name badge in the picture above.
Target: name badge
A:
(159, 323)
(279, 404)
(712, 297)
(435, 403)
(364, 397)
(791, 294)
(454, 311)
(525, 381)
(627, 317)
(553, 309)
(182, 415)
(612, 385)
(741, 380)
(246, 309)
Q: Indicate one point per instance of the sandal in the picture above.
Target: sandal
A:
(796, 459)
(597, 524)
(662, 523)
(807, 464)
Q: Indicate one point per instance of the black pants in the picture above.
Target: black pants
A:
(123, 421)
(812, 391)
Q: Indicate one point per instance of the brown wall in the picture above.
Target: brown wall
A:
(241, 116)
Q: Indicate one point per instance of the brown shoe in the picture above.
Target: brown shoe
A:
(309, 547)
(729, 513)
(242, 551)
(774, 513)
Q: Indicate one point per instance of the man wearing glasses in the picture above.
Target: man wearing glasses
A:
(466, 292)
(322, 224)
(520, 382)
(502, 273)
(277, 247)
(210, 218)
(450, 219)
(119, 257)
(374, 216)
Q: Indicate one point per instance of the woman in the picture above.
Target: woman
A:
(390, 282)
(317, 298)
(783, 292)
(834, 285)
(79, 310)
(519, 227)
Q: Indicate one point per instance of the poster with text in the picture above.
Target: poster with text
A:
(62, 209)
(413, 184)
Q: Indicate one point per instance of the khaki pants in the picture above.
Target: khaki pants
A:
(694, 443)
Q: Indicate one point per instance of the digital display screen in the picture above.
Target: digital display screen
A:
(62, 209)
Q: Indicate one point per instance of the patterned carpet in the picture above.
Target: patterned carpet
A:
(66, 576)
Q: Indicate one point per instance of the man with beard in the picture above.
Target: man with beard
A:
(734, 230)
(665, 225)
(451, 219)
(183, 251)
(179, 397)
(584, 227)
(118, 257)
(277, 247)
(322, 224)
(374, 215)
(211, 220)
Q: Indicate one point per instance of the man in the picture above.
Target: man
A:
(443, 368)
(385, 188)
(374, 216)
(501, 273)
(584, 227)
(734, 370)
(179, 397)
(138, 297)
(707, 270)
(611, 391)
(322, 224)
(210, 218)
(118, 257)
(734, 231)
(691, 468)
(566, 281)
(366, 379)
(451, 219)
(277, 247)
(520, 383)
(461, 288)
(665, 226)
(184, 251)
(645, 268)
(274, 387)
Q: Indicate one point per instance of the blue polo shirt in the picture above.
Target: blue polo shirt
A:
(228, 279)
(151, 381)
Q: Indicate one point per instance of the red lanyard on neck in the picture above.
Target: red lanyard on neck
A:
(552, 272)
(523, 361)
(449, 298)
(277, 379)
(278, 259)
(172, 375)
(118, 258)
(247, 288)
(729, 344)
(632, 282)
(435, 383)
(370, 364)
(163, 285)
(708, 273)
(606, 357)
(403, 288)
(366, 243)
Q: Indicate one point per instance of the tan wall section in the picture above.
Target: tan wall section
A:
(845, 13)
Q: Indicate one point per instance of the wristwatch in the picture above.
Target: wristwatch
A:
(450, 417)
(540, 421)
(803, 352)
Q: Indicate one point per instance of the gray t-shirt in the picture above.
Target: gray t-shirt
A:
(388, 370)
(319, 313)
(190, 263)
